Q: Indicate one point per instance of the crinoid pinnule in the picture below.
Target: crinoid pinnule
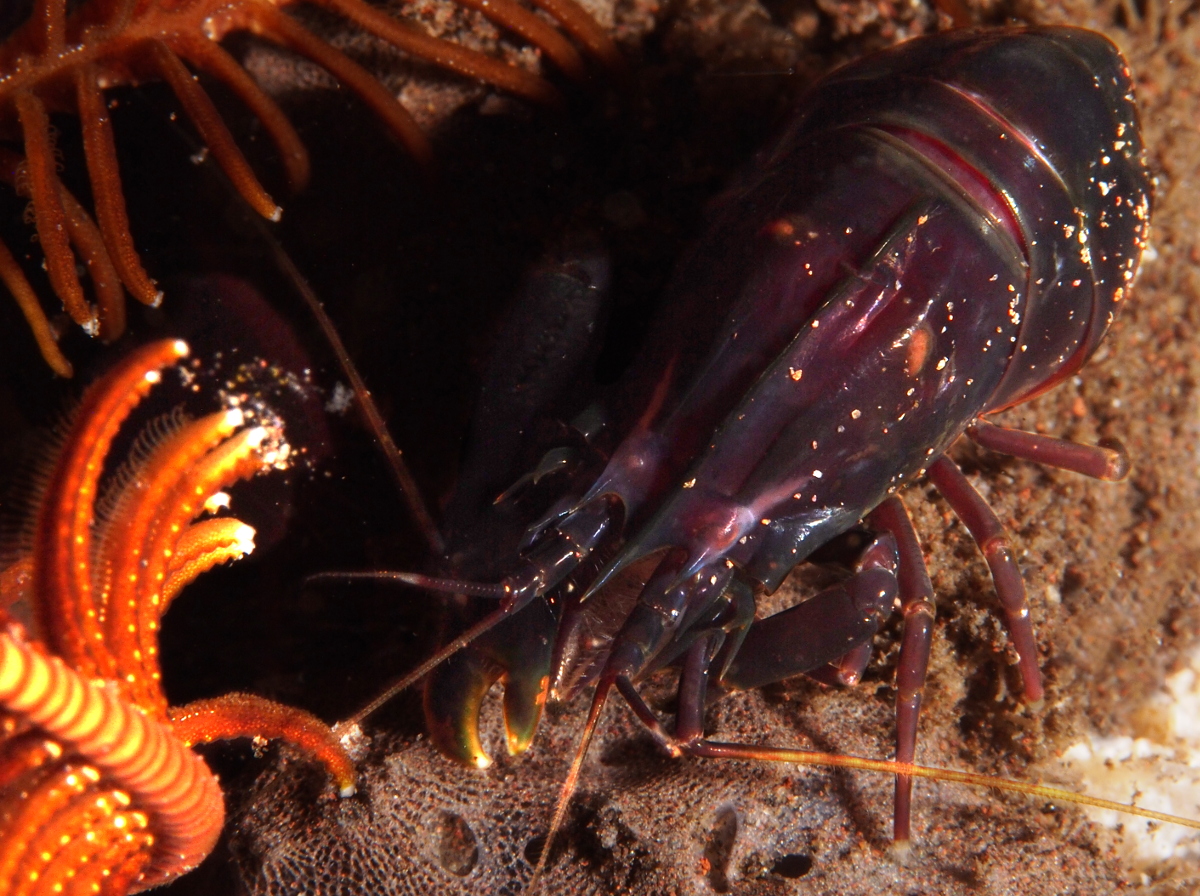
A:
(99, 791)
(57, 62)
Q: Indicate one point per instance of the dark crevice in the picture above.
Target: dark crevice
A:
(458, 852)
(792, 866)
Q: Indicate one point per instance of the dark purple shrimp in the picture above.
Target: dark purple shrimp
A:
(946, 229)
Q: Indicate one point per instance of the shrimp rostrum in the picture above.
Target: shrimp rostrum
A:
(945, 229)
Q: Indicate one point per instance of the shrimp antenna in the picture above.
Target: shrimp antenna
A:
(408, 488)
(411, 494)
(488, 622)
(409, 491)
(417, 580)
(716, 750)
(707, 749)
(429, 583)
(571, 782)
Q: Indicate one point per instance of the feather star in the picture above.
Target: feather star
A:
(99, 789)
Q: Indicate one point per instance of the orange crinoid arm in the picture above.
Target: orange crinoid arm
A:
(99, 789)
(57, 62)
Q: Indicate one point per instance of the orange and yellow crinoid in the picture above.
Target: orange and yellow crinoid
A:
(99, 789)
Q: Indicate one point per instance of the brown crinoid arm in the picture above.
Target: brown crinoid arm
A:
(275, 26)
(106, 282)
(14, 280)
(83, 234)
(416, 43)
(63, 63)
(204, 115)
(577, 22)
(100, 150)
(49, 215)
(208, 57)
